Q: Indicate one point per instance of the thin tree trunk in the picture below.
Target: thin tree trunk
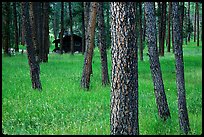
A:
(163, 27)
(15, 27)
(197, 7)
(141, 34)
(160, 95)
(87, 68)
(124, 87)
(34, 66)
(182, 109)
(83, 29)
(102, 44)
(195, 24)
(71, 32)
(144, 27)
(189, 21)
(169, 27)
(62, 27)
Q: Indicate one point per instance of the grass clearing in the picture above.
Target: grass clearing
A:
(64, 108)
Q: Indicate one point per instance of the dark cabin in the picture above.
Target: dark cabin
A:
(66, 43)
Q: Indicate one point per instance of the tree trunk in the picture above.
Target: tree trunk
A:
(163, 27)
(87, 68)
(124, 87)
(169, 27)
(34, 66)
(102, 44)
(189, 21)
(195, 24)
(71, 32)
(6, 34)
(15, 27)
(197, 7)
(83, 29)
(161, 100)
(183, 114)
(141, 34)
(159, 25)
(62, 27)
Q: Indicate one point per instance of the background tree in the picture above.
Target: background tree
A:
(83, 29)
(178, 52)
(87, 68)
(15, 27)
(34, 66)
(124, 87)
(163, 28)
(169, 27)
(161, 100)
(71, 31)
(62, 26)
(102, 44)
(195, 22)
(197, 10)
(141, 32)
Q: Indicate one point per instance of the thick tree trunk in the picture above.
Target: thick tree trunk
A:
(102, 44)
(71, 31)
(169, 28)
(197, 7)
(87, 68)
(15, 27)
(161, 100)
(34, 66)
(124, 87)
(141, 34)
(62, 27)
(183, 114)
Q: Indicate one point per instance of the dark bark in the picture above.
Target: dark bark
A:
(159, 25)
(34, 66)
(141, 31)
(124, 87)
(87, 68)
(83, 29)
(160, 95)
(197, 7)
(144, 27)
(181, 19)
(163, 28)
(182, 108)
(102, 44)
(169, 27)
(71, 31)
(6, 32)
(15, 27)
(195, 24)
(62, 27)
(189, 21)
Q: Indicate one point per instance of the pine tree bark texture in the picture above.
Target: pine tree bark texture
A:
(182, 108)
(102, 44)
(87, 68)
(34, 66)
(163, 27)
(124, 86)
(155, 68)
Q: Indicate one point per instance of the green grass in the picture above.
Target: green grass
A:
(64, 108)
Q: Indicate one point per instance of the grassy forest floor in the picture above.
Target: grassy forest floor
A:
(64, 108)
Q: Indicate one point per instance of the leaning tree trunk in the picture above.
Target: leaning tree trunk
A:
(183, 114)
(124, 86)
(71, 32)
(15, 27)
(197, 7)
(161, 100)
(34, 66)
(87, 68)
(102, 45)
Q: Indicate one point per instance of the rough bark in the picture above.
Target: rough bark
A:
(124, 86)
(182, 108)
(181, 19)
(169, 27)
(141, 31)
(15, 27)
(87, 68)
(102, 44)
(155, 68)
(34, 66)
(163, 28)
(71, 31)
(62, 27)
